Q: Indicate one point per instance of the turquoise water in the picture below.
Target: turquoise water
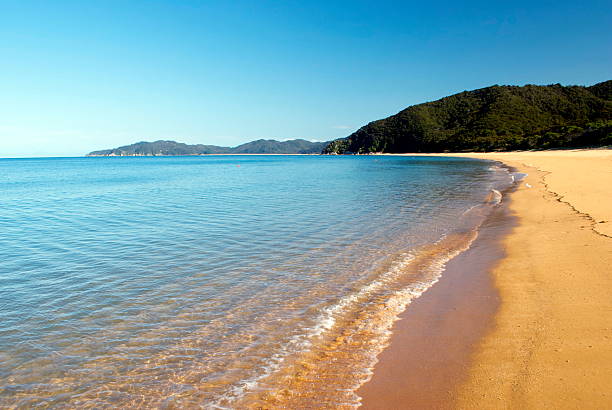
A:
(220, 281)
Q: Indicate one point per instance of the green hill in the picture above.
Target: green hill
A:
(492, 118)
(298, 146)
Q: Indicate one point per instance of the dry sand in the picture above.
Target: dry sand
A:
(549, 345)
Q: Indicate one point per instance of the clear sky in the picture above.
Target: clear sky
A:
(82, 75)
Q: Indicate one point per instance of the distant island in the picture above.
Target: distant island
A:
(160, 148)
(497, 118)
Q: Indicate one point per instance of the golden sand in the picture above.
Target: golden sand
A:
(551, 344)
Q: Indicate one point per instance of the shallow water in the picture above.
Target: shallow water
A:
(225, 281)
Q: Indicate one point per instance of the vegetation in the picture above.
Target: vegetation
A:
(496, 118)
(297, 146)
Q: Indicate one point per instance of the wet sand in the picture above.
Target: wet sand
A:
(432, 341)
(549, 342)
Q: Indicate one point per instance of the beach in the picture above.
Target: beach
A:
(501, 287)
(522, 319)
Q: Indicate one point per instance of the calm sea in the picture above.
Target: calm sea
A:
(221, 281)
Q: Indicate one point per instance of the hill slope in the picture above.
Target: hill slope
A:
(297, 146)
(492, 118)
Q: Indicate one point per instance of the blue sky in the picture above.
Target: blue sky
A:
(82, 75)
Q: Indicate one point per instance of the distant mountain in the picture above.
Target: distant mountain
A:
(157, 148)
(298, 146)
(492, 118)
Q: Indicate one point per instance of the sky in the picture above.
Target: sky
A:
(77, 76)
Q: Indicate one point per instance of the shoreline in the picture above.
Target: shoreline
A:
(548, 342)
(437, 331)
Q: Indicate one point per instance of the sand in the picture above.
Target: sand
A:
(549, 342)
(431, 343)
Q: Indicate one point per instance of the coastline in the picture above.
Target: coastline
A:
(433, 338)
(548, 342)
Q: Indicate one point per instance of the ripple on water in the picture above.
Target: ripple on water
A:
(188, 281)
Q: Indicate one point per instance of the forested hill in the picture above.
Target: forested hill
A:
(297, 146)
(492, 118)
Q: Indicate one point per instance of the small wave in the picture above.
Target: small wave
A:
(494, 198)
(470, 209)
(348, 335)
(302, 342)
(497, 197)
(518, 176)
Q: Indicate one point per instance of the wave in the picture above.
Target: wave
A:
(350, 334)
(341, 349)
(497, 197)
(328, 362)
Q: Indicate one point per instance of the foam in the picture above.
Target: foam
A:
(497, 197)
(327, 321)
(393, 306)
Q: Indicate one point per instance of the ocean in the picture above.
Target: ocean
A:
(219, 281)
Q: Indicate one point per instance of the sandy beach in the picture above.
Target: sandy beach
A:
(537, 330)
